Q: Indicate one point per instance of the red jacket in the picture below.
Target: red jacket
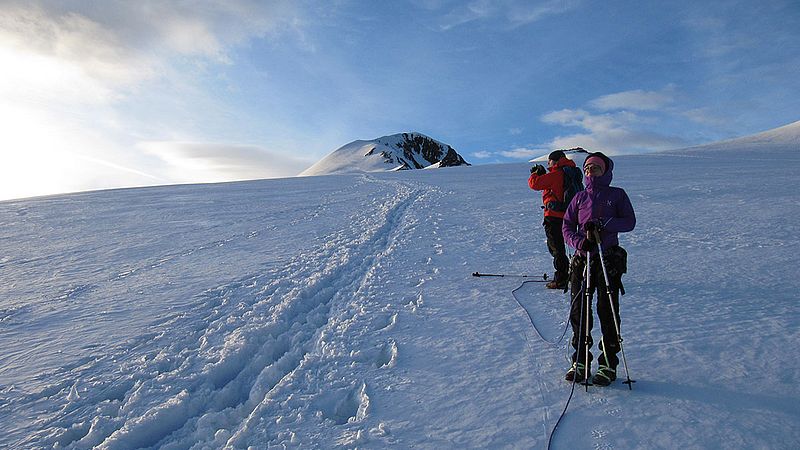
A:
(552, 185)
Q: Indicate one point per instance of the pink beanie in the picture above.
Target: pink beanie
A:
(595, 160)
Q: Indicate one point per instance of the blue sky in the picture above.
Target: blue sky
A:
(118, 93)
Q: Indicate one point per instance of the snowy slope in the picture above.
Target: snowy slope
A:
(785, 137)
(340, 312)
(403, 151)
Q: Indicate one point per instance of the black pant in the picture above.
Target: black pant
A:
(555, 243)
(609, 345)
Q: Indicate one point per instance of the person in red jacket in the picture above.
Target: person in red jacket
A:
(551, 183)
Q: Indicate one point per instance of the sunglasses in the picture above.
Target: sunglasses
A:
(590, 167)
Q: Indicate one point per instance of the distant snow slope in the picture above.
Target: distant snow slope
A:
(389, 153)
(785, 137)
(340, 312)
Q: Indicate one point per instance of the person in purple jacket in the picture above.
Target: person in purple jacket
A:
(609, 211)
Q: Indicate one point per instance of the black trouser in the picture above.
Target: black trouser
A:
(609, 345)
(555, 243)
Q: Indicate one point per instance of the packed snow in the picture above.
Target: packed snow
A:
(340, 312)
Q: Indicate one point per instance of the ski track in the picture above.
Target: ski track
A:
(222, 379)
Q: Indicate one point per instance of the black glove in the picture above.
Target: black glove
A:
(592, 226)
(587, 245)
(538, 169)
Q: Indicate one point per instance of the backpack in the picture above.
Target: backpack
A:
(573, 183)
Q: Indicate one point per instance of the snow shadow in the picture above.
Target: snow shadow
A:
(729, 400)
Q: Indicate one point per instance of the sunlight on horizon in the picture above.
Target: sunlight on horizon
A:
(36, 156)
(36, 159)
(47, 148)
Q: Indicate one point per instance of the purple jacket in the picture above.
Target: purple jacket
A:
(599, 201)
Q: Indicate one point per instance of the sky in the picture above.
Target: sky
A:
(97, 95)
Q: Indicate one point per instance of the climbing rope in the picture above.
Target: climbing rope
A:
(552, 343)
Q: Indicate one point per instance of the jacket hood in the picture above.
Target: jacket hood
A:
(563, 162)
(603, 180)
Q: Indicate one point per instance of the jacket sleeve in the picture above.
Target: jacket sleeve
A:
(542, 182)
(625, 219)
(573, 235)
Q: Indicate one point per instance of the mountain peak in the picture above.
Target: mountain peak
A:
(401, 151)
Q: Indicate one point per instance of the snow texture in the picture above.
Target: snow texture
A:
(404, 151)
(340, 312)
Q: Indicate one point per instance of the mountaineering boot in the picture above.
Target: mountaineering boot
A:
(576, 373)
(604, 376)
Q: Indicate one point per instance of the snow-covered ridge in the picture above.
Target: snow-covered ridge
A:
(403, 151)
(787, 136)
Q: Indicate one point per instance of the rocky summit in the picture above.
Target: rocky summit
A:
(403, 151)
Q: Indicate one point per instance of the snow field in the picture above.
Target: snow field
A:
(340, 312)
(259, 329)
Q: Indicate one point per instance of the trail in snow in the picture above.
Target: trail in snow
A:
(221, 371)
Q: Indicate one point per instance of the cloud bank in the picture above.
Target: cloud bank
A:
(192, 162)
(84, 72)
(617, 123)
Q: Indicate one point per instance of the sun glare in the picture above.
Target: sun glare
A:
(39, 97)
(34, 158)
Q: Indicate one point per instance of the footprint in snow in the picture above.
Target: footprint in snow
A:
(387, 357)
(345, 405)
(416, 303)
(387, 323)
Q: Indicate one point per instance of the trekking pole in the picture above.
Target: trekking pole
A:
(629, 382)
(588, 310)
(539, 278)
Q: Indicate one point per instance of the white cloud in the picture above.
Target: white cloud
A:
(470, 12)
(210, 28)
(64, 58)
(482, 154)
(623, 122)
(188, 162)
(513, 12)
(637, 100)
(514, 153)
(521, 153)
(614, 133)
(522, 13)
(119, 43)
(596, 123)
(69, 72)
